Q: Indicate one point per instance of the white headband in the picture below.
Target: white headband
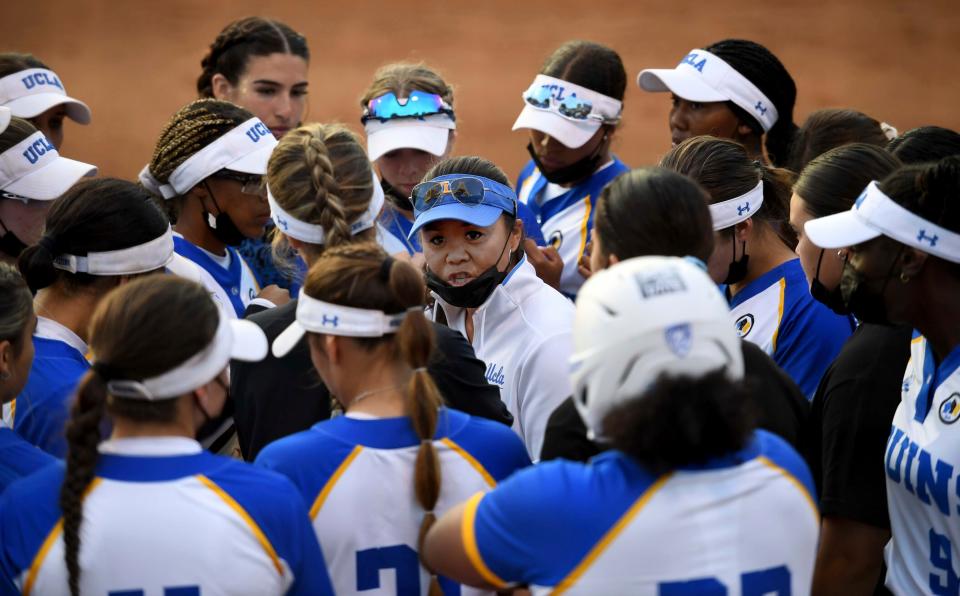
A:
(141, 258)
(603, 105)
(29, 155)
(733, 211)
(236, 338)
(245, 149)
(313, 233)
(30, 92)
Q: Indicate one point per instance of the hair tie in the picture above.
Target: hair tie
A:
(420, 369)
(49, 244)
(105, 371)
(385, 267)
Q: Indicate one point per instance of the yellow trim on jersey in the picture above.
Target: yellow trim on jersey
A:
(471, 460)
(783, 290)
(917, 339)
(469, 537)
(525, 187)
(584, 232)
(318, 503)
(611, 534)
(257, 532)
(48, 543)
(803, 490)
(13, 412)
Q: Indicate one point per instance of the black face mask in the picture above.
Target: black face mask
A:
(866, 305)
(474, 293)
(395, 196)
(738, 268)
(833, 299)
(222, 226)
(10, 244)
(574, 172)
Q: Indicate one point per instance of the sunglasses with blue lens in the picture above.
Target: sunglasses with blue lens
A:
(466, 190)
(416, 105)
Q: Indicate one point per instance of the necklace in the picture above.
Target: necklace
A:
(365, 394)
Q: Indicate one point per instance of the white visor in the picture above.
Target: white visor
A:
(313, 233)
(733, 211)
(244, 149)
(875, 214)
(703, 77)
(235, 339)
(29, 93)
(572, 133)
(4, 118)
(142, 258)
(430, 133)
(317, 316)
(33, 169)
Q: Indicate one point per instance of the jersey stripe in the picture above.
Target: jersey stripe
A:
(257, 532)
(48, 544)
(471, 460)
(318, 503)
(611, 534)
(584, 231)
(469, 536)
(803, 490)
(783, 289)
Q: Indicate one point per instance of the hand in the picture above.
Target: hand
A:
(546, 261)
(583, 264)
(275, 294)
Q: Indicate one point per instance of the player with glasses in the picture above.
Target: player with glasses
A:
(485, 288)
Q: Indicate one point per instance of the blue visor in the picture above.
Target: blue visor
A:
(474, 200)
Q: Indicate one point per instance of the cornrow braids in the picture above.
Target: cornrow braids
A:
(237, 42)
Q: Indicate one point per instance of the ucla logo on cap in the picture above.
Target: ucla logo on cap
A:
(694, 60)
(950, 409)
(679, 339)
(258, 131)
(38, 149)
(41, 78)
(744, 325)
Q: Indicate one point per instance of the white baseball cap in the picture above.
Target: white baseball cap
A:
(429, 133)
(641, 318)
(704, 77)
(566, 111)
(29, 93)
(33, 169)
(4, 118)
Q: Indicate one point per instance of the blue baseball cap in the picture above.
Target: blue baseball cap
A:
(476, 210)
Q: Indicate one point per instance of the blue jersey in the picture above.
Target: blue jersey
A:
(358, 475)
(566, 215)
(745, 524)
(164, 517)
(237, 280)
(19, 458)
(802, 335)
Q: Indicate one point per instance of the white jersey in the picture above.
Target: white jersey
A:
(744, 524)
(358, 475)
(235, 278)
(187, 269)
(923, 477)
(523, 332)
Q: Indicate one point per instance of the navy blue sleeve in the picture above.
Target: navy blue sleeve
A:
(19, 458)
(29, 510)
(498, 449)
(42, 414)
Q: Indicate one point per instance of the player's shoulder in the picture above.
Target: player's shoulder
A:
(493, 445)
(778, 452)
(529, 169)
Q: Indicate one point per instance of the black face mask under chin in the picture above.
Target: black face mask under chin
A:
(833, 299)
(395, 196)
(474, 293)
(738, 268)
(222, 226)
(575, 172)
(867, 306)
(10, 244)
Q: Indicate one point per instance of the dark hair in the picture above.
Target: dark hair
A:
(18, 130)
(588, 64)
(241, 39)
(683, 421)
(654, 211)
(16, 305)
(724, 169)
(925, 144)
(360, 276)
(11, 62)
(95, 215)
(825, 129)
(143, 329)
(403, 77)
(763, 69)
(833, 181)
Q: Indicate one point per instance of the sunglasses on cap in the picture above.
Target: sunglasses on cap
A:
(416, 105)
(571, 107)
(250, 184)
(466, 190)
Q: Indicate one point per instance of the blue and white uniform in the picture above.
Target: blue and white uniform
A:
(745, 523)
(923, 489)
(565, 214)
(777, 313)
(19, 458)
(163, 516)
(40, 412)
(357, 471)
(230, 272)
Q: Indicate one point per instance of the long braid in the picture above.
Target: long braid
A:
(333, 216)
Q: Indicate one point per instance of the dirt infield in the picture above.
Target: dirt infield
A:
(135, 62)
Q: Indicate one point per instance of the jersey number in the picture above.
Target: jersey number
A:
(406, 565)
(941, 557)
(775, 580)
(178, 591)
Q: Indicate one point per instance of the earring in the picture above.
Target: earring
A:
(840, 254)
(904, 278)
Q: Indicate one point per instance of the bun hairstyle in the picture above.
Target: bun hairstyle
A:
(363, 276)
(140, 330)
(239, 41)
(829, 128)
(833, 181)
(403, 77)
(675, 218)
(763, 69)
(925, 144)
(95, 215)
(320, 175)
(725, 170)
(588, 64)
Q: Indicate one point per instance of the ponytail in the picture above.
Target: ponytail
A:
(333, 217)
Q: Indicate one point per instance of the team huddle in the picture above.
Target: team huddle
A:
(291, 359)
